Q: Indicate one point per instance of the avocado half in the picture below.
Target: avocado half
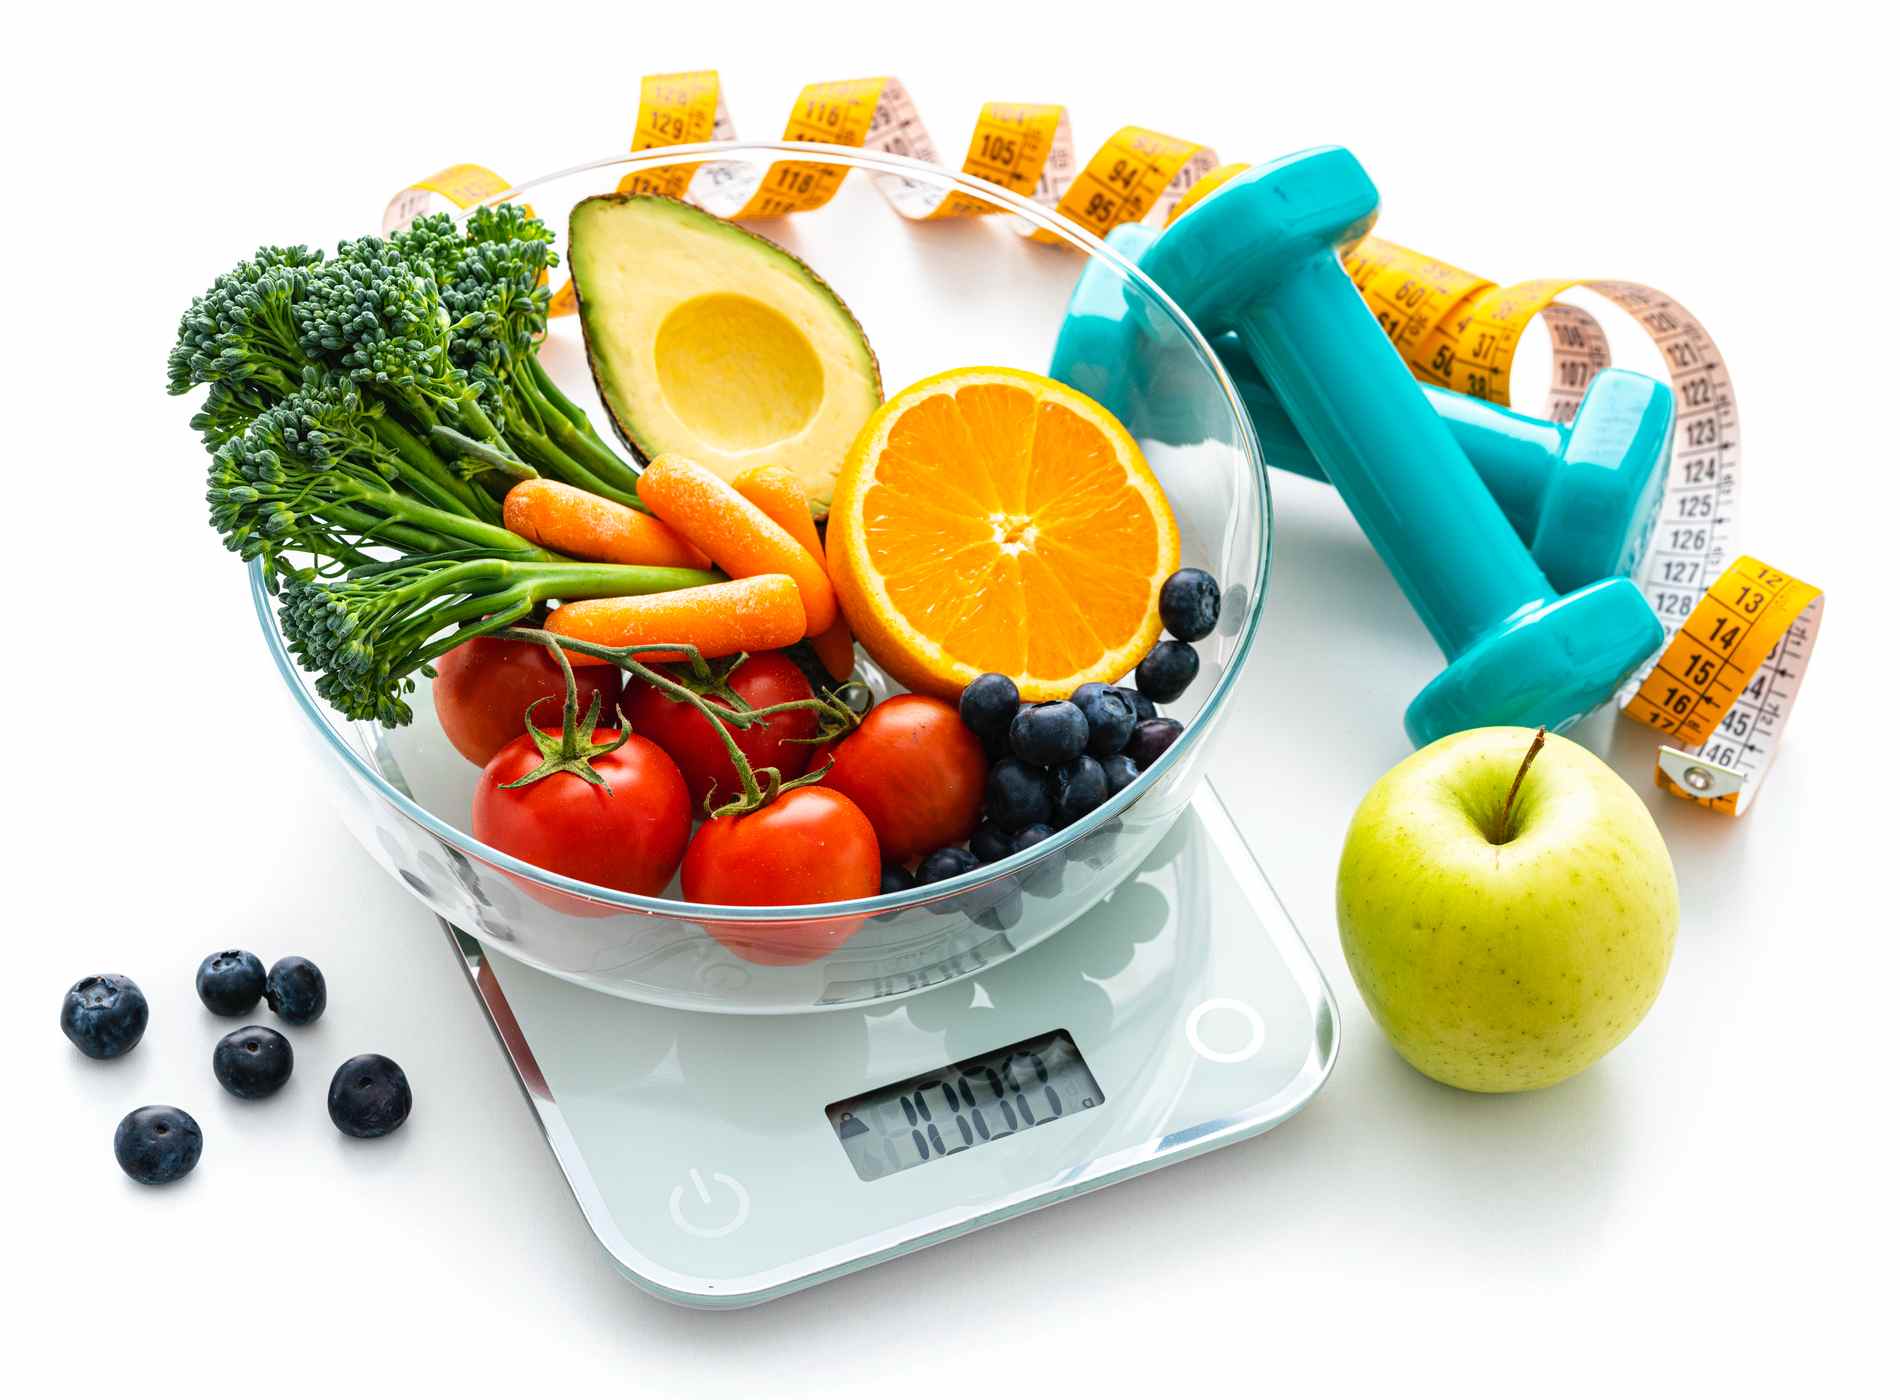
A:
(707, 340)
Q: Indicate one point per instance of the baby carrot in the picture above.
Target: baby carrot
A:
(738, 536)
(582, 525)
(745, 614)
(777, 492)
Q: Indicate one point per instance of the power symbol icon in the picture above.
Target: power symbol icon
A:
(699, 1209)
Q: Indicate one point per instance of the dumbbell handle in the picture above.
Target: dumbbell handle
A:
(1513, 453)
(1349, 395)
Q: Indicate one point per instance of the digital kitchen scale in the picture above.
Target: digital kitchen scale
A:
(725, 1160)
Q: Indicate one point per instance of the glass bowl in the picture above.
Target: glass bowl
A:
(931, 296)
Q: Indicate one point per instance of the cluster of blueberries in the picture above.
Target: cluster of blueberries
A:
(106, 1017)
(1053, 763)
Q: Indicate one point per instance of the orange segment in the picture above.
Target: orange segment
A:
(994, 520)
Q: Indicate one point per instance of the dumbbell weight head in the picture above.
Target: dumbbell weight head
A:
(1260, 258)
(1584, 497)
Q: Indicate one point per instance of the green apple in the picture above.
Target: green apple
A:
(1507, 907)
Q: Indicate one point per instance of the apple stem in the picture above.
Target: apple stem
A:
(1504, 817)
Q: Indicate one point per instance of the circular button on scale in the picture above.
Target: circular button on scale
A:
(711, 1217)
(1225, 1031)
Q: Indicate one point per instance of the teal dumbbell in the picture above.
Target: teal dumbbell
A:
(1584, 497)
(1260, 258)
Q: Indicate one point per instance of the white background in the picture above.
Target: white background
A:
(1713, 1203)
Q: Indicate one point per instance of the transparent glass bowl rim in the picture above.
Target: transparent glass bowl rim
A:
(1009, 202)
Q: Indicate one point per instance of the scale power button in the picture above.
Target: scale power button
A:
(1225, 1031)
(710, 1207)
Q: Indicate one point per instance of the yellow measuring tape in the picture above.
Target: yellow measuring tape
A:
(1740, 632)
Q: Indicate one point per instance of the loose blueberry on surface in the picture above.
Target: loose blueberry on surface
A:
(369, 1097)
(253, 1062)
(987, 706)
(1190, 604)
(1110, 717)
(946, 864)
(230, 983)
(1030, 836)
(105, 1016)
(1079, 788)
(1144, 707)
(157, 1144)
(1151, 740)
(1017, 795)
(1049, 734)
(1167, 671)
(1119, 771)
(989, 843)
(895, 880)
(295, 990)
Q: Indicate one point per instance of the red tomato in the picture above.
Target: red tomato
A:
(627, 835)
(806, 846)
(484, 687)
(689, 740)
(913, 769)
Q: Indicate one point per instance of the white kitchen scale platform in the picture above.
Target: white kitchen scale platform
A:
(726, 1160)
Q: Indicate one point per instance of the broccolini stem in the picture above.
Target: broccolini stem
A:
(600, 461)
(504, 591)
(373, 526)
(437, 484)
(478, 424)
(453, 526)
(465, 446)
(567, 408)
(536, 446)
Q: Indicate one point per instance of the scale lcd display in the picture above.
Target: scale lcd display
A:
(965, 1105)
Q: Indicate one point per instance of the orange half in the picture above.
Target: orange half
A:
(994, 520)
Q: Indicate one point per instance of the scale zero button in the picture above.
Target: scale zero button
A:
(708, 1213)
(1225, 1031)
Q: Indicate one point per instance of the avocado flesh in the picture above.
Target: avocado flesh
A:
(707, 340)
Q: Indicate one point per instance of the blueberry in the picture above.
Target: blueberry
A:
(1119, 770)
(1152, 737)
(1167, 671)
(104, 1016)
(1049, 734)
(1190, 604)
(946, 864)
(1017, 795)
(369, 1097)
(1144, 707)
(1030, 836)
(253, 1062)
(295, 990)
(1079, 788)
(895, 880)
(157, 1144)
(990, 843)
(1111, 718)
(988, 705)
(230, 983)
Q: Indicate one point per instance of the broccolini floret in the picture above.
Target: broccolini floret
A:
(364, 415)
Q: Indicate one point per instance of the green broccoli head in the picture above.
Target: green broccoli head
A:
(241, 333)
(374, 317)
(491, 274)
(331, 628)
(292, 478)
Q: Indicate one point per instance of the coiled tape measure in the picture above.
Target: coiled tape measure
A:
(1741, 633)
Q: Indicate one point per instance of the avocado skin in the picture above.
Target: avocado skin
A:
(626, 432)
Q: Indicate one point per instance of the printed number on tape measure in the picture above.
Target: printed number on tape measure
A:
(1725, 682)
